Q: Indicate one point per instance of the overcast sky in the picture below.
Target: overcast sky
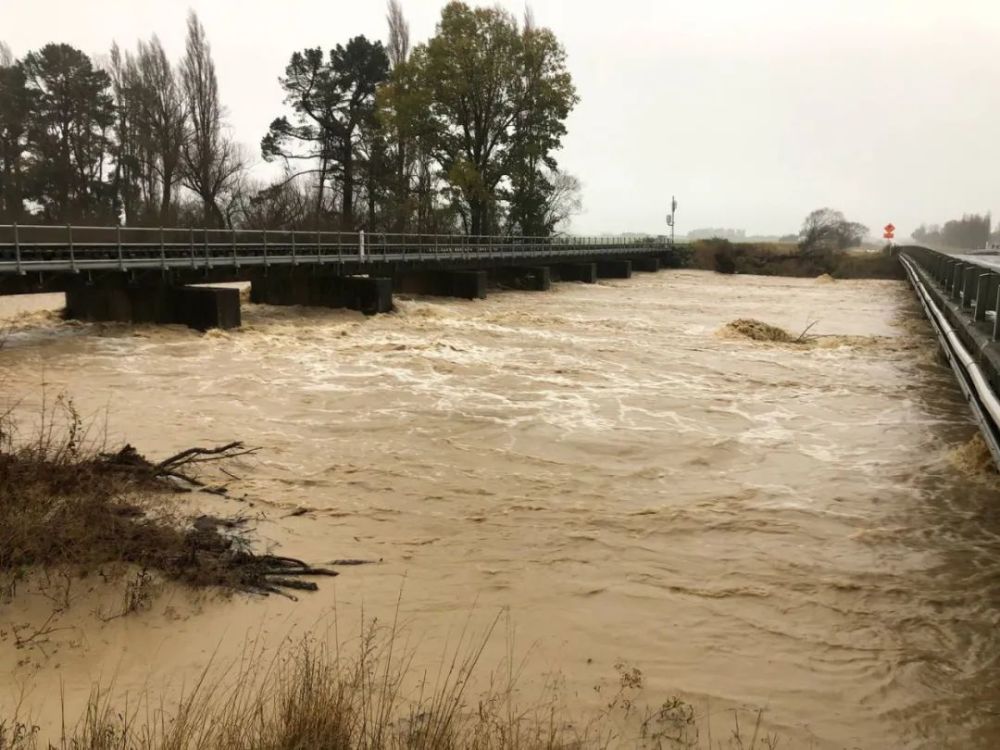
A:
(752, 112)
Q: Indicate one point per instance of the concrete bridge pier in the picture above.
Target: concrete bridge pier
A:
(369, 294)
(614, 269)
(585, 272)
(207, 307)
(646, 263)
(314, 288)
(118, 299)
(445, 283)
(530, 278)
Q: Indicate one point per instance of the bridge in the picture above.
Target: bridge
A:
(165, 275)
(961, 297)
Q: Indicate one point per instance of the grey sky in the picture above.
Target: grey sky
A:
(753, 113)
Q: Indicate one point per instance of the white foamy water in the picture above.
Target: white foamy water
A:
(751, 524)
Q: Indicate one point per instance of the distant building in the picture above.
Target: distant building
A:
(708, 233)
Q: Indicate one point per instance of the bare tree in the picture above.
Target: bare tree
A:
(529, 19)
(6, 56)
(564, 199)
(165, 119)
(399, 34)
(210, 158)
(826, 230)
(130, 141)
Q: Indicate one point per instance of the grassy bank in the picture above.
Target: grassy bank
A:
(786, 259)
(309, 695)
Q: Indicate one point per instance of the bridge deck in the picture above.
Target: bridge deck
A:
(27, 249)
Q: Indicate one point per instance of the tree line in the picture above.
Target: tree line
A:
(458, 133)
(971, 232)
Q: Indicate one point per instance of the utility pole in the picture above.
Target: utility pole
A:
(670, 217)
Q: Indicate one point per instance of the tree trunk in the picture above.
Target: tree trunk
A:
(477, 216)
(348, 216)
(168, 179)
(320, 192)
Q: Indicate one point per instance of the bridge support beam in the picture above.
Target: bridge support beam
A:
(614, 269)
(309, 287)
(675, 257)
(530, 278)
(196, 307)
(647, 263)
(464, 284)
(585, 272)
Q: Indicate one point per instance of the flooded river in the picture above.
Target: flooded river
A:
(750, 524)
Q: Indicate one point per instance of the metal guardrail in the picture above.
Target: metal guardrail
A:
(971, 287)
(972, 284)
(32, 248)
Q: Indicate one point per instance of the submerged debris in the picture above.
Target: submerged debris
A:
(973, 458)
(757, 331)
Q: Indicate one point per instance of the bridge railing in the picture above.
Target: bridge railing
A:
(76, 247)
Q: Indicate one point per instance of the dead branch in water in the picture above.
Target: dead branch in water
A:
(802, 335)
(179, 466)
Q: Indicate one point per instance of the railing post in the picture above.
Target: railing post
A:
(163, 252)
(191, 245)
(361, 244)
(968, 282)
(205, 242)
(996, 320)
(72, 253)
(265, 248)
(118, 239)
(319, 248)
(17, 250)
(295, 261)
(236, 259)
(982, 296)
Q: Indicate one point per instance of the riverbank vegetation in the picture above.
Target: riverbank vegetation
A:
(776, 259)
(971, 232)
(310, 695)
(71, 507)
(458, 133)
(828, 244)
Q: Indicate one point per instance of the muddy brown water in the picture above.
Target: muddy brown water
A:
(750, 524)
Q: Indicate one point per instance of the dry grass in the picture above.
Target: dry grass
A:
(311, 696)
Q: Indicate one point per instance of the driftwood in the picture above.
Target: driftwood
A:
(175, 473)
(215, 549)
(346, 563)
